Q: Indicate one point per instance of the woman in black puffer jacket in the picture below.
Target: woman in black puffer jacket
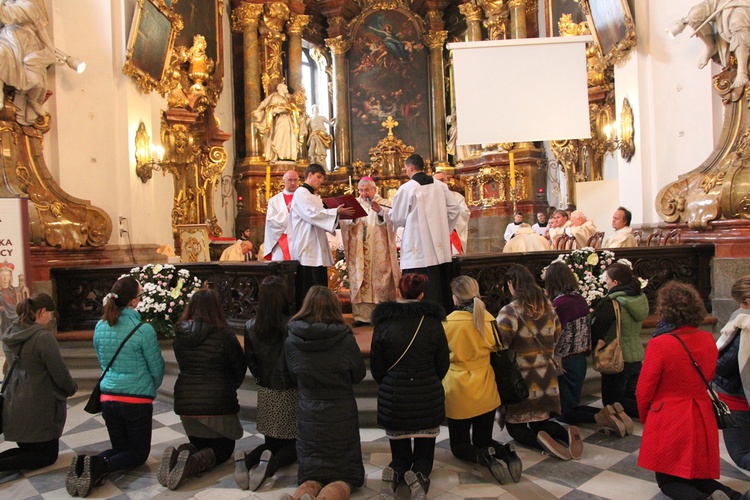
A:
(212, 368)
(410, 369)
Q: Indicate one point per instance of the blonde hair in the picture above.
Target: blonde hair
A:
(466, 290)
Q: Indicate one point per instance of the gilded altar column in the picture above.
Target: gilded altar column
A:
(295, 26)
(473, 15)
(496, 17)
(275, 16)
(435, 40)
(338, 47)
(517, 18)
(245, 20)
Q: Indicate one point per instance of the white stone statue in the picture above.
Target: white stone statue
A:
(724, 26)
(320, 140)
(26, 51)
(276, 119)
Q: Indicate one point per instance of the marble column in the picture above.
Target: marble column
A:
(517, 18)
(338, 47)
(245, 20)
(435, 40)
(295, 27)
(473, 15)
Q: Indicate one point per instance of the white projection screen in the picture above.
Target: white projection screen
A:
(521, 90)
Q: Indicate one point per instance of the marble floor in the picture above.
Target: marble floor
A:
(608, 468)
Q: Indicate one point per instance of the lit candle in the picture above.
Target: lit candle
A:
(268, 182)
(350, 182)
(512, 171)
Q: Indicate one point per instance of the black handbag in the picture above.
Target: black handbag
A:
(94, 404)
(724, 418)
(510, 383)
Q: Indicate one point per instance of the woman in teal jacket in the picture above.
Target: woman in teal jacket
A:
(128, 389)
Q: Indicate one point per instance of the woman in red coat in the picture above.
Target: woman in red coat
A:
(680, 436)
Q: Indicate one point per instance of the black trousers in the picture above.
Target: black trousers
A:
(469, 435)
(30, 456)
(526, 433)
(283, 452)
(419, 459)
(223, 447)
(691, 489)
(308, 277)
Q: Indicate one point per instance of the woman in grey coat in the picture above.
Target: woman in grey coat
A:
(35, 408)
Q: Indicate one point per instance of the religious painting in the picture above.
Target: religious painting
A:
(200, 17)
(193, 243)
(555, 10)
(611, 24)
(150, 44)
(388, 78)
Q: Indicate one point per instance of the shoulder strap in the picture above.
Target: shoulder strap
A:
(618, 323)
(118, 351)
(692, 360)
(498, 341)
(410, 343)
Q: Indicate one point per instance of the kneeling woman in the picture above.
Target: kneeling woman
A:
(212, 368)
(325, 361)
(409, 358)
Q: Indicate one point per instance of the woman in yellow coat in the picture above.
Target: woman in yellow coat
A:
(471, 396)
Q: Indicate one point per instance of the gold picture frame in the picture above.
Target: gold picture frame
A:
(612, 26)
(194, 242)
(150, 43)
(201, 17)
(555, 9)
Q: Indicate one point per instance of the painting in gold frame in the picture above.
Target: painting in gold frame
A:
(194, 243)
(611, 23)
(150, 44)
(554, 10)
(200, 17)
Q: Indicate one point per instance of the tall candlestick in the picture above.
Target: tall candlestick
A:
(268, 182)
(512, 170)
(350, 182)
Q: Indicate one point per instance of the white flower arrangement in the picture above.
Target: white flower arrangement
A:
(166, 292)
(343, 279)
(588, 265)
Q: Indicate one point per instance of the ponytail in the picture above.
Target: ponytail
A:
(123, 292)
(466, 290)
(28, 309)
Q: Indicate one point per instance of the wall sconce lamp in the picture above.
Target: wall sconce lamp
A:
(147, 156)
(75, 64)
(625, 142)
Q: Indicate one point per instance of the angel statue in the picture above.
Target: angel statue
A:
(275, 119)
(724, 26)
(26, 51)
(320, 140)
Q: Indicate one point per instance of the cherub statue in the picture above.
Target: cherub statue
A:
(724, 26)
(320, 140)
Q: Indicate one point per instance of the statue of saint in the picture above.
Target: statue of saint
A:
(276, 120)
(320, 140)
(724, 26)
(26, 51)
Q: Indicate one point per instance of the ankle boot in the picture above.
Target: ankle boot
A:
(507, 453)
(168, 461)
(497, 468)
(189, 465)
(418, 485)
(95, 469)
(73, 477)
(311, 488)
(624, 418)
(388, 484)
(337, 490)
(606, 419)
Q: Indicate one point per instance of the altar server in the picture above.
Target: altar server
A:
(275, 240)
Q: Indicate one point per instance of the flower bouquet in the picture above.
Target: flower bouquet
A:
(588, 265)
(342, 282)
(166, 292)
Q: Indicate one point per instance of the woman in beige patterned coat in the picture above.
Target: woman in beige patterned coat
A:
(530, 326)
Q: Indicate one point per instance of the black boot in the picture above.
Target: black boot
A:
(507, 453)
(190, 464)
(497, 467)
(73, 477)
(95, 470)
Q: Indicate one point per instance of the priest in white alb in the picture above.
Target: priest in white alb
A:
(623, 236)
(370, 251)
(275, 241)
(460, 234)
(581, 228)
(526, 240)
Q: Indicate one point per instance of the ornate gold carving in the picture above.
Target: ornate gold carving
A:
(297, 23)
(471, 12)
(338, 45)
(274, 17)
(435, 39)
(627, 131)
(387, 158)
(516, 4)
(496, 18)
(485, 189)
(434, 16)
(568, 28)
(621, 49)
(246, 15)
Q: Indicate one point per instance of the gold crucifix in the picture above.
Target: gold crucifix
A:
(390, 124)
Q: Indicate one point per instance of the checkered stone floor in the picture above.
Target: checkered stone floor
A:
(607, 470)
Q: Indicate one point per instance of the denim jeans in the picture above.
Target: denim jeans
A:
(737, 439)
(129, 428)
(571, 382)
